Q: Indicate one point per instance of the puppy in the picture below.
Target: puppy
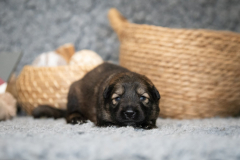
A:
(111, 95)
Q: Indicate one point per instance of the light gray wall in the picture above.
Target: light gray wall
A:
(36, 26)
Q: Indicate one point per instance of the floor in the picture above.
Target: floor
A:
(27, 138)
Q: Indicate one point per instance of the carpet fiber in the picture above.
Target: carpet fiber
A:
(27, 138)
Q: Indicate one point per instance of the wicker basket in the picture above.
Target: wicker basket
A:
(196, 71)
(46, 85)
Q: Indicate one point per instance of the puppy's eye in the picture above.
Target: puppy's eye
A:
(142, 98)
(117, 99)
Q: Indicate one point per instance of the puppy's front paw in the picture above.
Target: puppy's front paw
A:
(76, 119)
(149, 125)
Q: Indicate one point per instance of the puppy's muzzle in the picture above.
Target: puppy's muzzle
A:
(129, 114)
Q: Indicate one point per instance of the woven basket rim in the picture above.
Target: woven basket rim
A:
(51, 67)
(116, 19)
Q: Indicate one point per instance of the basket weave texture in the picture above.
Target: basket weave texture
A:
(197, 72)
(47, 85)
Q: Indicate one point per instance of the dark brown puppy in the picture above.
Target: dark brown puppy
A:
(112, 95)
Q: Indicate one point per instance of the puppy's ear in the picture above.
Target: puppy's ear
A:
(155, 93)
(107, 91)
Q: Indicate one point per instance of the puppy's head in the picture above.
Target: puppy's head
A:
(131, 100)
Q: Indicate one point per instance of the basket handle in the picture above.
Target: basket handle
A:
(116, 20)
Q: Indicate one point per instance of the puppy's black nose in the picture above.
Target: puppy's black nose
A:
(129, 113)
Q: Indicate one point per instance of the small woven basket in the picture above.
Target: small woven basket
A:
(196, 71)
(46, 85)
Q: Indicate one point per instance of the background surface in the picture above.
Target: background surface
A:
(34, 26)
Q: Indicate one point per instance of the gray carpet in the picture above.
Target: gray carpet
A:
(36, 26)
(29, 139)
